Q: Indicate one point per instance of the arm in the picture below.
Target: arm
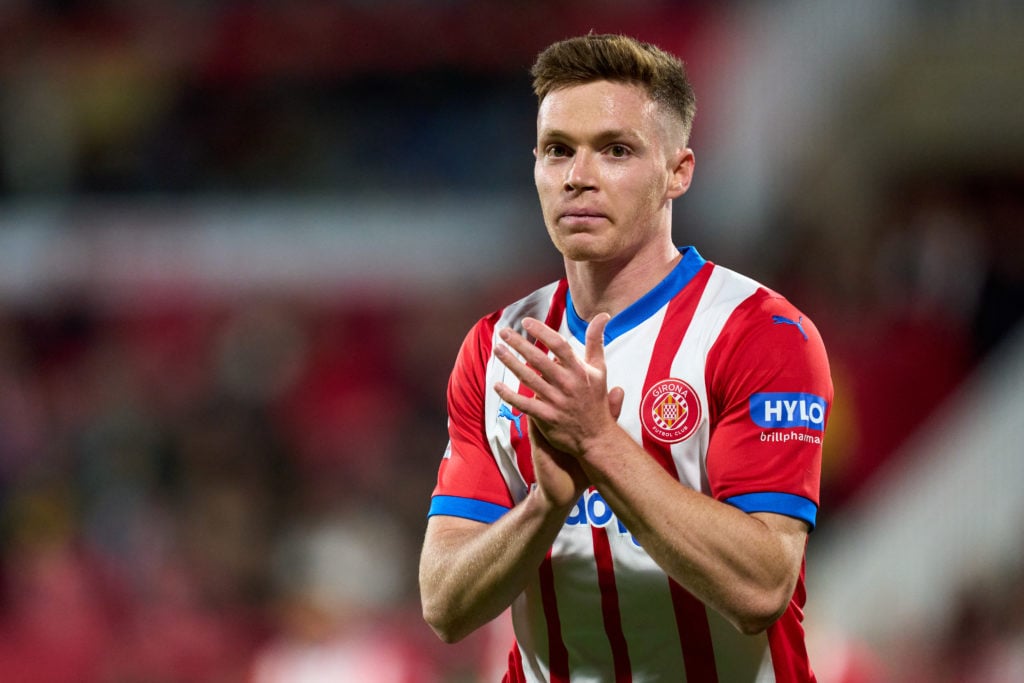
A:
(471, 571)
(744, 566)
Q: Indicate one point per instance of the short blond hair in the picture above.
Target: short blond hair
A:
(617, 58)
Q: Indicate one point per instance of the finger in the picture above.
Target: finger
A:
(594, 353)
(538, 372)
(534, 407)
(534, 357)
(553, 370)
(551, 340)
(526, 374)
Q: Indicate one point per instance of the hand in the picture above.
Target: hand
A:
(570, 404)
(560, 477)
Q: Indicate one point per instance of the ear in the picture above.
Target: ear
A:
(682, 172)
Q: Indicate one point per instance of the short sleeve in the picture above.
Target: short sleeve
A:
(469, 483)
(770, 391)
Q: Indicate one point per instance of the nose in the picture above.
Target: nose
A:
(580, 174)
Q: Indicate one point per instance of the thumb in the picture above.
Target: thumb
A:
(615, 398)
(594, 354)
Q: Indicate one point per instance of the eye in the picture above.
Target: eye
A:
(619, 151)
(556, 151)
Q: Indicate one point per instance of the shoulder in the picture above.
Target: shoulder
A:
(757, 308)
(767, 330)
(772, 318)
(479, 341)
(536, 304)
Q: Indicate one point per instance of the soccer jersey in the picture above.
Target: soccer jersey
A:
(727, 386)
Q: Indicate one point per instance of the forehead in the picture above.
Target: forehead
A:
(597, 105)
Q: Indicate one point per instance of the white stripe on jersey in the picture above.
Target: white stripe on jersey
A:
(725, 291)
(499, 429)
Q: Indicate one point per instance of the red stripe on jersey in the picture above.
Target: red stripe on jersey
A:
(610, 605)
(553, 320)
(515, 673)
(790, 665)
(522, 445)
(558, 656)
(786, 640)
(677, 320)
(694, 635)
(691, 615)
(557, 652)
(557, 310)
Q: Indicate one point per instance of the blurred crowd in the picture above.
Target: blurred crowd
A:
(234, 490)
(909, 305)
(229, 491)
(262, 96)
(197, 495)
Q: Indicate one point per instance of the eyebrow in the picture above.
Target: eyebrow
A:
(604, 136)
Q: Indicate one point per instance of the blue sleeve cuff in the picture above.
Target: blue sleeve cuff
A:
(780, 503)
(467, 508)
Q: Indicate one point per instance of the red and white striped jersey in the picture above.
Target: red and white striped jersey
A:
(727, 386)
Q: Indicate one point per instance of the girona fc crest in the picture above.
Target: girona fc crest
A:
(670, 411)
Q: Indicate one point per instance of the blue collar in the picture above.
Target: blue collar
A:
(644, 307)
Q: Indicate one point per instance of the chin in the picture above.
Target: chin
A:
(578, 252)
(583, 247)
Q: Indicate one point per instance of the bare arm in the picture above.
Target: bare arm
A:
(471, 571)
(744, 566)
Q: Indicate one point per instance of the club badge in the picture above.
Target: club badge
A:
(670, 411)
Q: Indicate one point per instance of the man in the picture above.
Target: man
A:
(635, 450)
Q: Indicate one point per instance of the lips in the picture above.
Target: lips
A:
(581, 214)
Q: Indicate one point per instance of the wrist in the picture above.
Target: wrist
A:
(603, 451)
(550, 507)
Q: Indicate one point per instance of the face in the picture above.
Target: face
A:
(609, 161)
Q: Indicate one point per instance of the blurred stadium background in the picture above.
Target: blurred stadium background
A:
(240, 243)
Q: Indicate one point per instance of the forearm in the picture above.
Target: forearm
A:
(470, 572)
(734, 562)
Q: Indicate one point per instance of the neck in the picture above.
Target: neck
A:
(612, 286)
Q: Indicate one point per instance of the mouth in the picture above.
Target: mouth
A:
(582, 216)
